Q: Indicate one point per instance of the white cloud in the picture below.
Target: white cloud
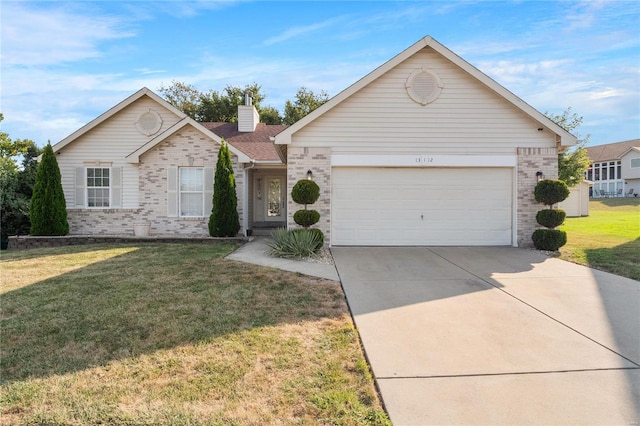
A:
(54, 35)
(298, 31)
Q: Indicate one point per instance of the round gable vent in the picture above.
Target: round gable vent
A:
(424, 86)
(149, 123)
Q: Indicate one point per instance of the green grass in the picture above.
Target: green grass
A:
(608, 239)
(175, 334)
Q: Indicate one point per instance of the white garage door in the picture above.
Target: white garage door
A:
(421, 206)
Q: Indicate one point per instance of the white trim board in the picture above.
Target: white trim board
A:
(422, 160)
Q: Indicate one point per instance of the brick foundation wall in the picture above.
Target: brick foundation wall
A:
(26, 242)
(530, 161)
(318, 160)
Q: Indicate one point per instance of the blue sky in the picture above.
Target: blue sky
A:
(65, 63)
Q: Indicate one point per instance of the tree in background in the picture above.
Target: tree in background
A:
(305, 102)
(183, 96)
(574, 162)
(18, 167)
(224, 221)
(217, 106)
(223, 106)
(48, 207)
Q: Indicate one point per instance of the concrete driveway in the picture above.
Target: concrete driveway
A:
(495, 335)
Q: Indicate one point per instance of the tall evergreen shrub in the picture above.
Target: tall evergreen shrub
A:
(224, 220)
(48, 208)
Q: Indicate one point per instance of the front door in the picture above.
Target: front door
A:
(275, 199)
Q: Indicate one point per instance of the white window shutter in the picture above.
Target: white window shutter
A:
(208, 190)
(172, 192)
(80, 186)
(116, 187)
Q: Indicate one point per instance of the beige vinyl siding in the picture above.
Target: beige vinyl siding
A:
(629, 172)
(111, 142)
(467, 117)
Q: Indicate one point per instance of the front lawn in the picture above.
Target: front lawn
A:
(174, 334)
(607, 239)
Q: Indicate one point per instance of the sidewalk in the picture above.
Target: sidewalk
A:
(256, 252)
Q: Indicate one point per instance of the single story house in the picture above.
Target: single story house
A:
(615, 169)
(424, 150)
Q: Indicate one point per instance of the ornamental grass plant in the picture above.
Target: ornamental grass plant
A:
(295, 244)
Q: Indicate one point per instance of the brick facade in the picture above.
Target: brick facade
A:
(530, 161)
(102, 221)
(318, 160)
(187, 148)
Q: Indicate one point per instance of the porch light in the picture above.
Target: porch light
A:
(539, 176)
(309, 174)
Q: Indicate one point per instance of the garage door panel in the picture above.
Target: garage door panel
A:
(421, 206)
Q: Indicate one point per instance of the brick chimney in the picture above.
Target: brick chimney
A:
(248, 117)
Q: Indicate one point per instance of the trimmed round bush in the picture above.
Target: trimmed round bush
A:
(306, 218)
(549, 239)
(551, 192)
(305, 192)
(551, 218)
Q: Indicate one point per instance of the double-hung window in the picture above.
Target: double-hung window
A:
(191, 192)
(98, 187)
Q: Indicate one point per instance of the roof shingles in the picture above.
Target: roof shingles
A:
(257, 144)
(611, 151)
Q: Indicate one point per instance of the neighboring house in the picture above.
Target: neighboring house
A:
(615, 169)
(424, 150)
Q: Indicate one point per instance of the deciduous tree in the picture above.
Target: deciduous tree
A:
(183, 96)
(573, 162)
(17, 177)
(305, 102)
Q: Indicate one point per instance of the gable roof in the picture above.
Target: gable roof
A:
(134, 157)
(611, 151)
(563, 137)
(257, 144)
(113, 111)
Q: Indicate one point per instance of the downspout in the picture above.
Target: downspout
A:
(245, 197)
